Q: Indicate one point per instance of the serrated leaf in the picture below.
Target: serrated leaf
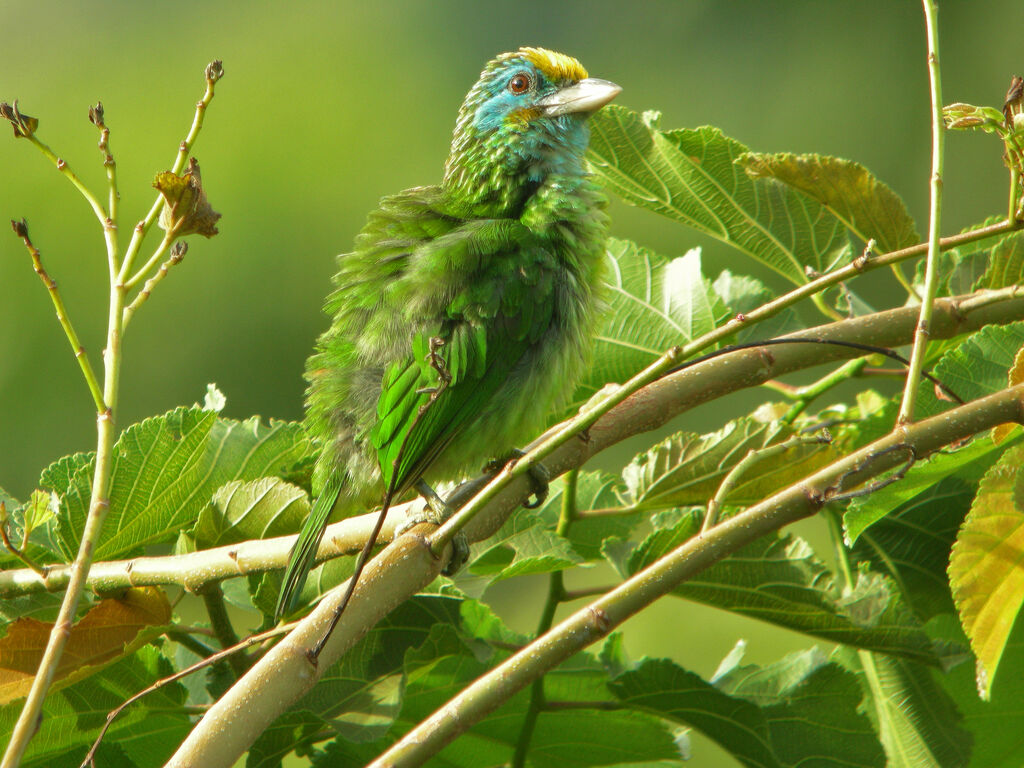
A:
(165, 472)
(594, 490)
(687, 469)
(985, 569)
(691, 176)
(449, 658)
(156, 466)
(869, 208)
(144, 736)
(101, 635)
(655, 303)
(975, 367)
(70, 478)
(258, 509)
(38, 517)
(916, 720)
(524, 544)
(793, 713)
(1006, 263)
(778, 579)
(911, 544)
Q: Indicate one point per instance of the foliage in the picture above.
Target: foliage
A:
(888, 676)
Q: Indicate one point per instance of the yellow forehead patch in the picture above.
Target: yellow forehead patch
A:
(555, 66)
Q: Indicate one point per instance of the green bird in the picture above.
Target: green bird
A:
(466, 311)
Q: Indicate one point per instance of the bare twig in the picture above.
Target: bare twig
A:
(21, 230)
(931, 275)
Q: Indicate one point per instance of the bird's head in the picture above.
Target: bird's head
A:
(523, 120)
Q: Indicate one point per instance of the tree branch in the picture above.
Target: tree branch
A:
(285, 673)
(596, 620)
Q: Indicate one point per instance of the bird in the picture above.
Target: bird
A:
(465, 312)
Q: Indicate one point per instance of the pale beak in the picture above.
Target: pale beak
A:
(585, 96)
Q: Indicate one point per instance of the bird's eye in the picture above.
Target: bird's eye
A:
(519, 84)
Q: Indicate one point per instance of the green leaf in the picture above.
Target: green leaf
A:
(739, 726)
(915, 718)
(165, 472)
(70, 477)
(691, 176)
(869, 208)
(801, 711)
(258, 509)
(994, 724)
(780, 580)
(655, 303)
(741, 294)
(449, 658)
(687, 469)
(985, 569)
(912, 543)
(38, 517)
(525, 544)
(1006, 264)
(361, 697)
(146, 734)
(594, 490)
(978, 366)
(156, 466)
(967, 463)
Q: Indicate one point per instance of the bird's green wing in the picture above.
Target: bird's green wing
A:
(494, 319)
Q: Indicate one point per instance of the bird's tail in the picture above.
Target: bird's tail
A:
(300, 561)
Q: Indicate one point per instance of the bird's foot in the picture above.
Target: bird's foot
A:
(437, 511)
(540, 477)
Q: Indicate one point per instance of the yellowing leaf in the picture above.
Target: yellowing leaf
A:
(100, 636)
(862, 202)
(1015, 377)
(986, 566)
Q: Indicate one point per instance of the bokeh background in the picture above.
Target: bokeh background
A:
(327, 105)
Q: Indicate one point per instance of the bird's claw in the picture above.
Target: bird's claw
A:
(436, 510)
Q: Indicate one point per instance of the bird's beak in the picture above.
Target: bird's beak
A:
(585, 96)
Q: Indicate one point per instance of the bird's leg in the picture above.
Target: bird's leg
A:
(540, 477)
(437, 511)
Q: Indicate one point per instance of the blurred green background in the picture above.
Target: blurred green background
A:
(326, 106)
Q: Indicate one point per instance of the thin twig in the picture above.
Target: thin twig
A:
(178, 251)
(214, 72)
(97, 119)
(753, 456)
(556, 594)
(213, 599)
(931, 275)
(804, 396)
(201, 664)
(153, 260)
(21, 230)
